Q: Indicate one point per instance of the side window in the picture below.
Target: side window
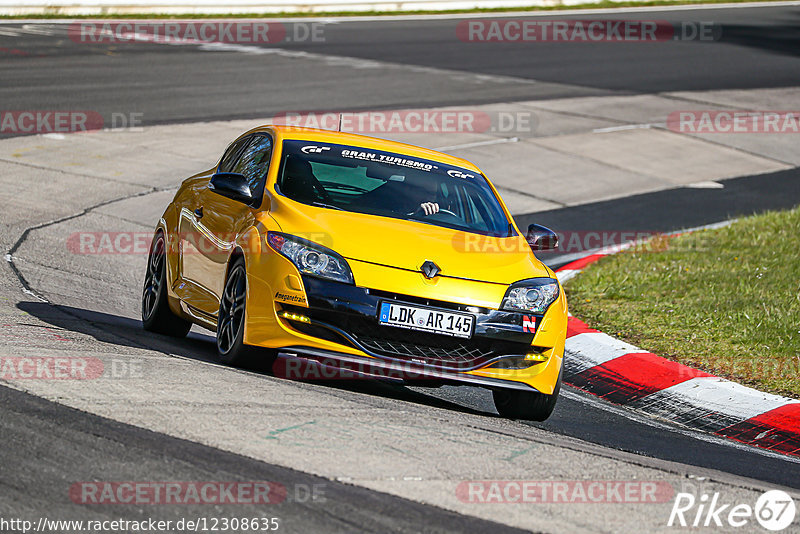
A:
(254, 162)
(229, 159)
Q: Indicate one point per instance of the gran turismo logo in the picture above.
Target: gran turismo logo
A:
(313, 149)
(458, 174)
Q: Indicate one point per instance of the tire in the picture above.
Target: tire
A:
(231, 349)
(156, 314)
(527, 405)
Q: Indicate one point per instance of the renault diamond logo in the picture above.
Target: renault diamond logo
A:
(430, 269)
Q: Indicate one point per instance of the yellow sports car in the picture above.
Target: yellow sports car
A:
(325, 246)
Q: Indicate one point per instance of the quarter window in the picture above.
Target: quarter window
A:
(229, 158)
(254, 162)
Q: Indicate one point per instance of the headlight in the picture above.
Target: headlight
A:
(532, 296)
(310, 258)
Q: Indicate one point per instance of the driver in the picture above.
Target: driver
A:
(299, 182)
(429, 208)
(422, 191)
(409, 195)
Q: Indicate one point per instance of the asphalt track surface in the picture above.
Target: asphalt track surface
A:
(119, 451)
(757, 48)
(577, 414)
(672, 210)
(753, 47)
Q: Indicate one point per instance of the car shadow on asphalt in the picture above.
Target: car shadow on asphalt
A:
(199, 345)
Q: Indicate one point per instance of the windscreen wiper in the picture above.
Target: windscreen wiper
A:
(329, 206)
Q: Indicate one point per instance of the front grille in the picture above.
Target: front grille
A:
(410, 345)
(458, 356)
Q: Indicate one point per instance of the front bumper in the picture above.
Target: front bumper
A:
(347, 366)
(347, 315)
(341, 320)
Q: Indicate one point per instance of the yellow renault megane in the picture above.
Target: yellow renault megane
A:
(328, 246)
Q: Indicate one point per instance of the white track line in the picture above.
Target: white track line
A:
(480, 143)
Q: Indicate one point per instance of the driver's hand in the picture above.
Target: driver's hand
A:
(429, 208)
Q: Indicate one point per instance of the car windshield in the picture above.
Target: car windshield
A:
(381, 183)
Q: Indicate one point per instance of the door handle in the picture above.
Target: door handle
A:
(199, 212)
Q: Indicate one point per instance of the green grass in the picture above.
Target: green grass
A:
(600, 5)
(726, 300)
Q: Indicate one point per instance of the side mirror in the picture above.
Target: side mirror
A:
(231, 185)
(541, 238)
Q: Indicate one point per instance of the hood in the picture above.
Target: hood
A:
(408, 244)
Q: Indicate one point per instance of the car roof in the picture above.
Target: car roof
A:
(363, 141)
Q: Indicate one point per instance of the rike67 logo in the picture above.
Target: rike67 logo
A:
(774, 510)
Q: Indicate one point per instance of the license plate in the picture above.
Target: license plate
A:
(426, 319)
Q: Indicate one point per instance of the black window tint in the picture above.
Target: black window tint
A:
(229, 159)
(254, 162)
(362, 180)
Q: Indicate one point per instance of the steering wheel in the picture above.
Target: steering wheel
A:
(447, 212)
(419, 209)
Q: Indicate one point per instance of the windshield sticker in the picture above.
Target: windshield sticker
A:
(313, 149)
(384, 158)
(458, 174)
